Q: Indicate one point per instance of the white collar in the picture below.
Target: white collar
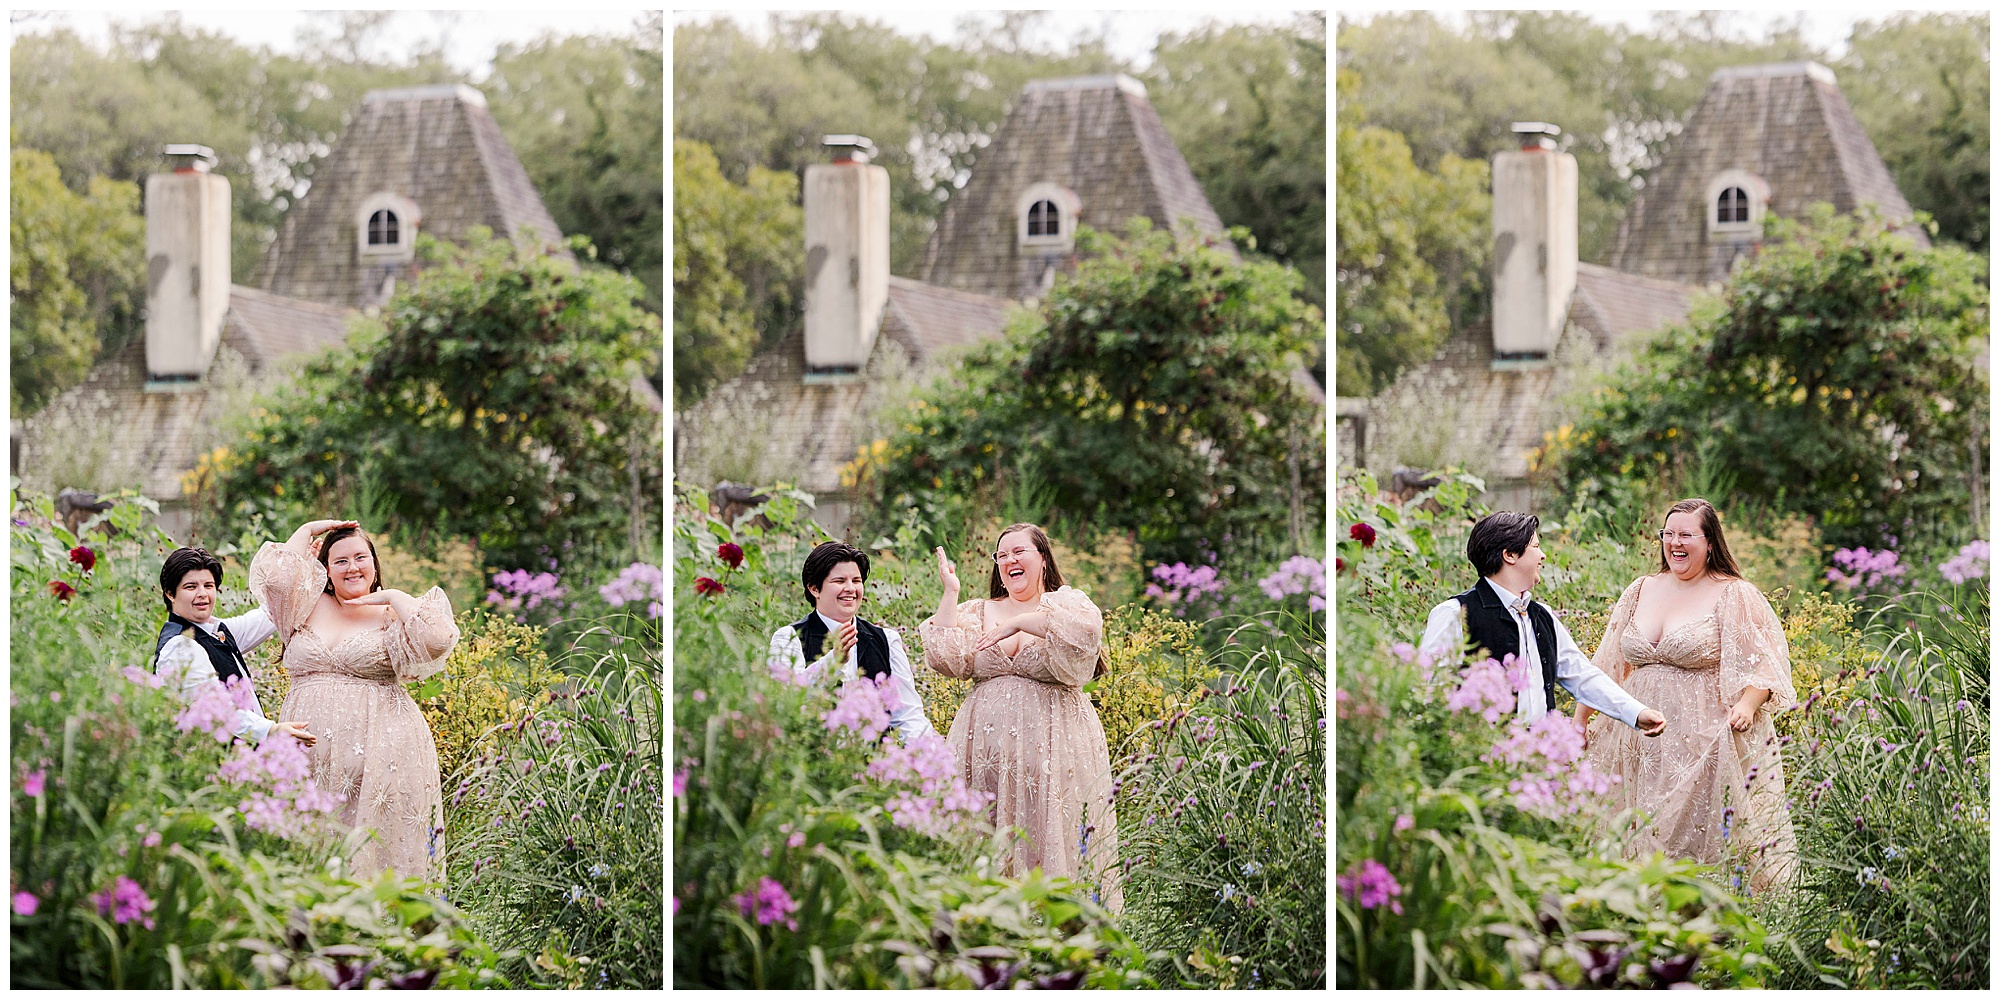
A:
(211, 626)
(1507, 597)
(831, 625)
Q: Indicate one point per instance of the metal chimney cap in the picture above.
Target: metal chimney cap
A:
(849, 148)
(190, 156)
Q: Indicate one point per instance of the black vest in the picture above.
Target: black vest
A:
(872, 651)
(1489, 625)
(221, 647)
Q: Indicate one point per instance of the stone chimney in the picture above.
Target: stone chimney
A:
(1534, 244)
(847, 256)
(187, 267)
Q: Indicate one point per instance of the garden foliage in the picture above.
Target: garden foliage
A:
(493, 399)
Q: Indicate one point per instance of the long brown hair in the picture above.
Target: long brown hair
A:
(1720, 562)
(342, 534)
(1052, 578)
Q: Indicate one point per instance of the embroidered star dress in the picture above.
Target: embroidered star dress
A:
(1714, 795)
(375, 749)
(1029, 735)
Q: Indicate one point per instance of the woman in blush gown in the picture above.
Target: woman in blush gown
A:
(350, 646)
(1703, 645)
(1027, 733)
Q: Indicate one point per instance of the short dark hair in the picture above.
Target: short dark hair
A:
(1498, 534)
(825, 556)
(183, 561)
(341, 535)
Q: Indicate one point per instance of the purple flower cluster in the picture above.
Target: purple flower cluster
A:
(143, 677)
(124, 903)
(936, 800)
(1184, 586)
(864, 707)
(1298, 575)
(769, 903)
(214, 710)
(521, 591)
(1969, 564)
(1864, 570)
(1370, 885)
(283, 798)
(1486, 690)
(1555, 779)
(637, 582)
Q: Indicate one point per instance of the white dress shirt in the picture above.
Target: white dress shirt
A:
(187, 668)
(909, 720)
(1444, 641)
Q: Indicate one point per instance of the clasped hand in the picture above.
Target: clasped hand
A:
(997, 633)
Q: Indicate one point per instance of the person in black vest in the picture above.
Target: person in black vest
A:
(835, 576)
(197, 649)
(1500, 615)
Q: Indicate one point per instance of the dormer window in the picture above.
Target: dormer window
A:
(1735, 206)
(386, 225)
(382, 229)
(1044, 219)
(1046, 216)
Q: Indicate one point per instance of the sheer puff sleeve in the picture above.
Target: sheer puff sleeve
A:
(287, 585)
(1076, 636)
(948, 650)
(418, 645)
(1610, 656)
(1754, 652)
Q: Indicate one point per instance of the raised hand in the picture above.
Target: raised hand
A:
(947, 572)
(307, 539)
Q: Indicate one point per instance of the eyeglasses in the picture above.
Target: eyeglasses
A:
(1677, 536)
(1017, 554)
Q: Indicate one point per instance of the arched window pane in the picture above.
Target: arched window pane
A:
(1044, 220)
(382, 228)
(1732, 206)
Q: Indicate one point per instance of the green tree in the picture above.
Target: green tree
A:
(1921, 85)
(1156, 391)
(493, 399)
(77, 272)
(1836, 377)
(738, 254)
(1246, 104)
(1410, 249)
(585, 116)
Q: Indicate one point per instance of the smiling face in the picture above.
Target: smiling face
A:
(1684, 545)
(1021, 565)
(840, 597)
(194, 597)
(350, 567)
(1529, 562)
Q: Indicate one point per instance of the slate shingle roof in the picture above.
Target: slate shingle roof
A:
(1098, 136)
(1787, 123)
(437, 146)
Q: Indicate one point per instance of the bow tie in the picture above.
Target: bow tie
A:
(1520, 605)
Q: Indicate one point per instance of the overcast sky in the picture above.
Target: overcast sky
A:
(1132, 32)
(470, 37)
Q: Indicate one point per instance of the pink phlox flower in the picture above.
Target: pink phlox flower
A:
(524, 591)
(1184, 585)
(143, 677)
(768, 903)
(863, 707)
(1519, 675)
(25, 904)
(638, 582)
(680, 783)
(281, 797)
(213, 711)
(33, 785)
(1969, 564)
(1864, 569)
(125, 902)
(930, 794)
(1405, 822)
(1370, 885)
(1485, 691)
